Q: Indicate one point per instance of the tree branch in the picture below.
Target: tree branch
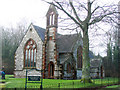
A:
(61, 8)
(89, 13)
(75, 12)
(94, 10)
(99, 18)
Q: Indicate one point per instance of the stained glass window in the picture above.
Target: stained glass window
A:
(30, 54)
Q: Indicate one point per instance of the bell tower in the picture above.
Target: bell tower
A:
(50, 66)
(52, 17)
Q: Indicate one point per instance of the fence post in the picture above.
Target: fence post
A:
(101, 82)
(26, 81)
(108, 81)
(84, 83)
(73, 84)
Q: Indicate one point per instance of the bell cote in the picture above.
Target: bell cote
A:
(52, 17)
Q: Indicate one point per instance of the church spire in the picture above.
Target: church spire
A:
(52, 17)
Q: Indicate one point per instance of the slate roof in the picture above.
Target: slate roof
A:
(65, 43)
(64, 57)
(40, 31)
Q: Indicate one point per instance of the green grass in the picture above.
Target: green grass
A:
(54, 83)
(114, 86)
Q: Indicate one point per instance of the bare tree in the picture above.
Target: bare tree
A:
(84, 16)
(11, 38)
(0, 48)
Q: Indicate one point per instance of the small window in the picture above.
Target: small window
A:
(68, 68)
(30, 29)
(52, 18)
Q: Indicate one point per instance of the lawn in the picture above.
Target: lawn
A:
(114, 86)
(53, 83)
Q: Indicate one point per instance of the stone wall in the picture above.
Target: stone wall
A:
(22, 73)
(51, 52)
(79, 73)
(71, 61)
(19, 54)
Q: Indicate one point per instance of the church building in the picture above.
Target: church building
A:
(49, 53)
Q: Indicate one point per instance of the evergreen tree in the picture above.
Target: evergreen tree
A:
(109, 53)
(109, 60)
(116, 58)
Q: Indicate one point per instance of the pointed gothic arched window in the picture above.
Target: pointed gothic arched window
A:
(30, 54)
(52, 18)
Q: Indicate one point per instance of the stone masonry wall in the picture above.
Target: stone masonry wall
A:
(19, 55)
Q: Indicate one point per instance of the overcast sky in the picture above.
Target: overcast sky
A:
(13, 12)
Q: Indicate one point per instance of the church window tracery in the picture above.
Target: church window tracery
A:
(30, 54)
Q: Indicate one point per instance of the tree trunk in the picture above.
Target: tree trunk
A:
(86, 60)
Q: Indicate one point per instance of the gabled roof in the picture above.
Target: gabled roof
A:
(40, 31)
(65, 43)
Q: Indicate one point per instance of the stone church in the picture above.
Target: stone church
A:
(50, 54)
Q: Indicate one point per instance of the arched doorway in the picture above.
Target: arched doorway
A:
(51, 70)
